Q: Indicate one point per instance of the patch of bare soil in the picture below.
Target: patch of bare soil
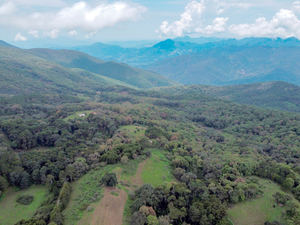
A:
(110, 210)
(137, 180)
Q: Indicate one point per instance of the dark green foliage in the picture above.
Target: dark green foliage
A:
(32, 222)
(3, 184)
(281, 198)
(276, 95)
(61, 203)
(25, 199)
(109, 180)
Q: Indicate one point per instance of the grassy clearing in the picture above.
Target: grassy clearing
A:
(133, 131)
(77, 115)
(258, 211)
(157, 170)
(87, 191)
(10, 207)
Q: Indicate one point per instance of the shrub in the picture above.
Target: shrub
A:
(25, 199)
(110, 180)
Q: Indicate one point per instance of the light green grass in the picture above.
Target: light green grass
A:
(76, 115)
(133, 131)
(84, 192)
(11, 212)
(260, 210)
(87, 191)
(157, 170)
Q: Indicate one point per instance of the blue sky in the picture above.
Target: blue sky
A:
(72, 22)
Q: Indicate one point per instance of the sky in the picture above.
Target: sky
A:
(38, 22)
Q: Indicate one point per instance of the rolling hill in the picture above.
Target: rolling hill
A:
(276, 95)
(119, 71)
(24, 73)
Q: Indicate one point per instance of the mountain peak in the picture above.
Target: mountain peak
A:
(168, 44)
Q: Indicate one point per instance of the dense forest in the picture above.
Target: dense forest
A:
(213, 146)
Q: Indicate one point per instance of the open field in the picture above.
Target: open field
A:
(9, 206)
(157, 169)
(260, 210)
(92, 204)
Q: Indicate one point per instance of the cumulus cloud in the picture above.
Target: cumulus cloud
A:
(284, 24)
(80, 16)
(219, 25)
(20, 37)
(193, 10)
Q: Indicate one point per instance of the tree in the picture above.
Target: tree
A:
(152, 220)
(110, 180)
(3, 184)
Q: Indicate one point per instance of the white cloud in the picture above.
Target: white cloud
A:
(7, 8)
(34, 33)
(72, 33)
(284, 24)
(219, 25)
(80, 16)
(20, 37)
(193, 10)
(296, 6)
(223, 6)
(52, 34)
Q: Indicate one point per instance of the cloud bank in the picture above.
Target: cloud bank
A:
(285, 23)
(69, 19)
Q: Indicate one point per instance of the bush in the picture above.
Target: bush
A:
(25, 199)
(110, 180)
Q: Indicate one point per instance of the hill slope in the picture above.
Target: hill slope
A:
(23, 73)
(276, 95)
(119, 71)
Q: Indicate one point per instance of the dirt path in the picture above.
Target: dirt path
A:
(137, 180)
(110, 210)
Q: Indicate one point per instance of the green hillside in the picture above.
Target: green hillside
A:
(276, 95)
(119, 71)
(24, 73)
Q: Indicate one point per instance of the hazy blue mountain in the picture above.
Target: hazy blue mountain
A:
(5, 44)
(180, 46)
(233, 65)
(119, 71)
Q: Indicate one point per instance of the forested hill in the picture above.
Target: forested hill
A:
(24, 73)
(119, 71)
(276, 95)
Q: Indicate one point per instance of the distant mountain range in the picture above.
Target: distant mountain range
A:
(50, 71)
(212, 61)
